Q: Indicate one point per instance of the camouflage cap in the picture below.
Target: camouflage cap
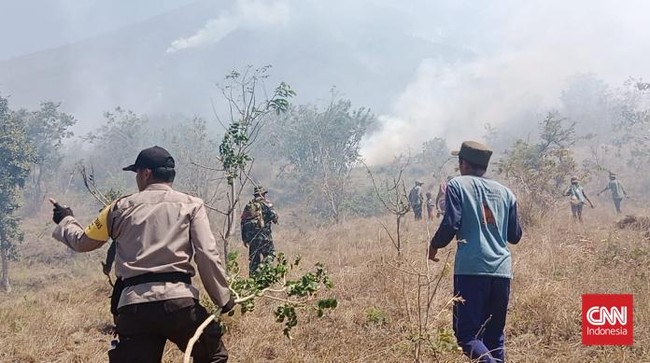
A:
(574, 179)
(417, 182)
(474, 152)
(612, 175)
(259, 190)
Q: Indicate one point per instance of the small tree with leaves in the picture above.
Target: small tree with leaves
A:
(194, 149)
(120, 138)
(275, 280)
(432, 159)
(632, 124)
(538, 171)
(17, 154)
(321, 147)
(249, 108)
(46, 129)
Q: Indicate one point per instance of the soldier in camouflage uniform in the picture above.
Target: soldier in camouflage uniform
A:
(256, 220)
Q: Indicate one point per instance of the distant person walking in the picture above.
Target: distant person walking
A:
(431, 205)
(482, 215)
(440, 197)
(617, 190)
(416, 200)
(578, 198)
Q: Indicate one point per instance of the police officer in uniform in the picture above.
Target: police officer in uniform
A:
(158, 232)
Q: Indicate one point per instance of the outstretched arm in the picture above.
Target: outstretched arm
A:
(451, 222)
(72, 234)
(587, 198)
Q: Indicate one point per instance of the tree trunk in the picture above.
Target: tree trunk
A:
(230, 220)
(232, 212)
(4, 284)
(37, 196)
(33, 204)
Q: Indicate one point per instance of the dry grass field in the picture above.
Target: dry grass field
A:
(58, 310)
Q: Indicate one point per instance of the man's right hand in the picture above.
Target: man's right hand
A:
(229, 306)
(246, 244)
(59, 212)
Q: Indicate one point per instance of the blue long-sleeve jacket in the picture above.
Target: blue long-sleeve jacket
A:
(482, 214)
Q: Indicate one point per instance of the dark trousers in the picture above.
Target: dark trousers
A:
(576, 211)
(143, 329)
(430, 212)
(257, 251)
(480, 320)
(417, 210)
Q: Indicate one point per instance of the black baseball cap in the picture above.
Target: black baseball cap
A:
(152, 158)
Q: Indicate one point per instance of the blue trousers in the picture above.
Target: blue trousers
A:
(480, 320)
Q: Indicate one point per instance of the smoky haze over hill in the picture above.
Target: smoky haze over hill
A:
(426, 68)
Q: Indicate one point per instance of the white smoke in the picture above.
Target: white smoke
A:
(245, 14)
(522, 58)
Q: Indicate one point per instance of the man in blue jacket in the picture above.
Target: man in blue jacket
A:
(482, 215)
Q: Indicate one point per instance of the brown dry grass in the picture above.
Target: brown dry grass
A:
(58, 311)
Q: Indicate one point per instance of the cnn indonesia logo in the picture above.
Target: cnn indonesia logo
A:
(607, 319)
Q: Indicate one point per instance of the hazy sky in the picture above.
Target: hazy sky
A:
(522, 52)
(27, 26)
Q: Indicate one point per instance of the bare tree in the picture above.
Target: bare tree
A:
(393, 196)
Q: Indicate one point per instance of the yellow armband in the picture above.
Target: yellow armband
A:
(98, 229)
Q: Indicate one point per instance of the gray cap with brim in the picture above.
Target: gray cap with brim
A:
(474, 152)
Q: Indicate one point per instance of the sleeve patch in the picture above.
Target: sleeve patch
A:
(98, 229)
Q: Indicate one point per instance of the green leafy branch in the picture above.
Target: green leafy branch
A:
(247, 115)
(271, 282)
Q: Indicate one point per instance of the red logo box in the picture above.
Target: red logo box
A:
(607, 319)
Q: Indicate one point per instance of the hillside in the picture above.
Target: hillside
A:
(369, 59)
(60, 300)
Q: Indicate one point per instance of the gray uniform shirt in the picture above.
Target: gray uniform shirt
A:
(158, 230)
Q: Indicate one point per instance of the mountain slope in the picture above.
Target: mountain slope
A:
(369, 59)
